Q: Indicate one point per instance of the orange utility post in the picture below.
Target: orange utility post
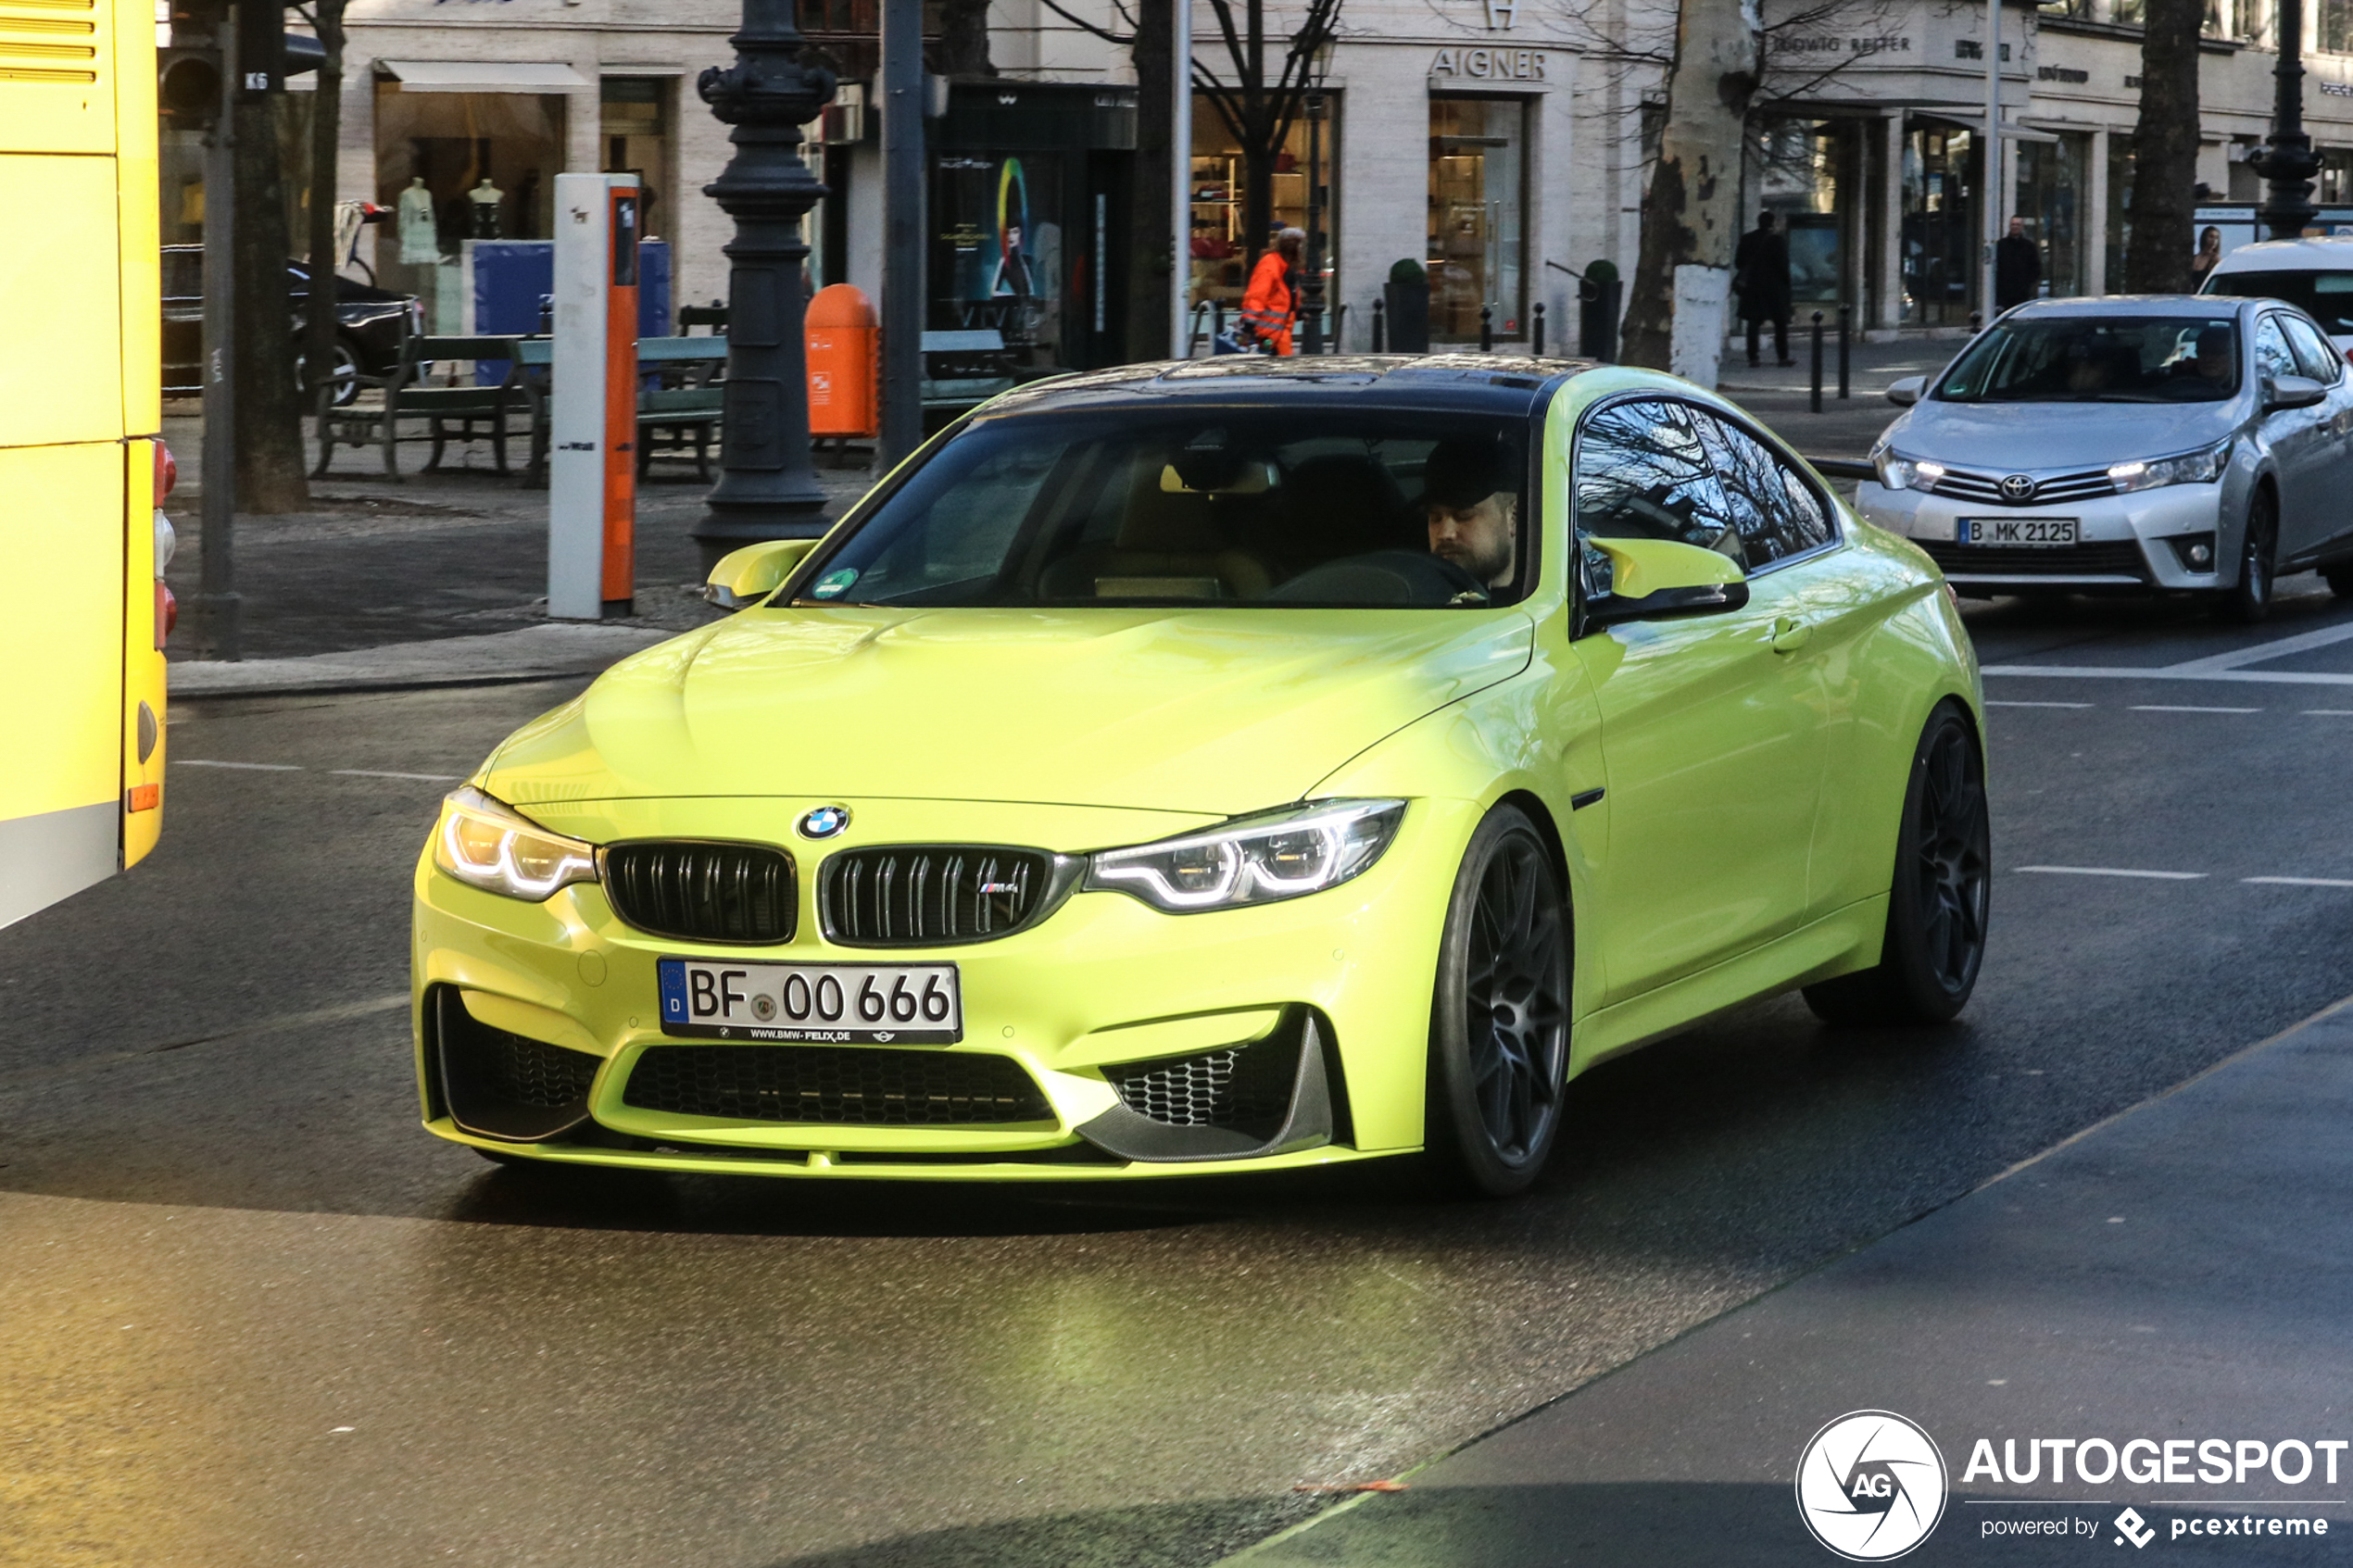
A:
(592, 416)
(844, 362)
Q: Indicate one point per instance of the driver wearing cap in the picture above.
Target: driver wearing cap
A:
(1470, 498)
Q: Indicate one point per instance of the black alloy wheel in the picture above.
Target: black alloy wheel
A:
(1499, 1025)
(2250, 600)
(2338, 574)
(1937, 902)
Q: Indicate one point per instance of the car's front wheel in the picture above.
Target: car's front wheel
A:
(2250, 600)
(1936, 906)
(1499, 1026)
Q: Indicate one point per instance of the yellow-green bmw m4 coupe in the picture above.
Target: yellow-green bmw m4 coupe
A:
(1234, 766)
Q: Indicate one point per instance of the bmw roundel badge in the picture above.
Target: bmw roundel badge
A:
(823, 821)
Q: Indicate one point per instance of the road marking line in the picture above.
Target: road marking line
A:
(2278, 647)
(248, 767)
(2168, 672)
(1991, 702)
(2115, 870)
(2300, 880)
(2327, 713)
(2173, 707)
(375, 774)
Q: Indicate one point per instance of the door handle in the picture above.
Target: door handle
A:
(1789, 634)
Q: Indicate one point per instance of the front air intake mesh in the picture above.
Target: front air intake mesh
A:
(840, 1085)
(1244, 1088)
(2097, 558)
(697, 892)
(932, 894)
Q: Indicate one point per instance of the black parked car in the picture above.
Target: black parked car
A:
(369, 322)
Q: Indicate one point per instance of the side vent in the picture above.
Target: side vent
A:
(50, 40)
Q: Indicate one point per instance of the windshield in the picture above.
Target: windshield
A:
(2327, 297)
(1223, 506)
(2098, 359)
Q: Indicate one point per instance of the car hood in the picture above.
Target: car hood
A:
(1211, 712)
(2031, 437)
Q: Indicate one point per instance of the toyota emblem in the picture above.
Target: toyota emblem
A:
(2018, 487)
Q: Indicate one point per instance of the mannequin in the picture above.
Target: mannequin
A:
(420, 237)
(486, 198)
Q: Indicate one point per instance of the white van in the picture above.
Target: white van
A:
(2316, 275)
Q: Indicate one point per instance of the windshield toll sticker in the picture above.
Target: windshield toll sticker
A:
(833, 582)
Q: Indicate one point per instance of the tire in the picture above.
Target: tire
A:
(346, 372)
(1499, 1024)
(1936, 904)
(2339, 575)
(2250, 600)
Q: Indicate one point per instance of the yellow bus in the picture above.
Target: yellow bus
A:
(83, 467)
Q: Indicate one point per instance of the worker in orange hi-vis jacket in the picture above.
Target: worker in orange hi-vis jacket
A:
(1271, 304)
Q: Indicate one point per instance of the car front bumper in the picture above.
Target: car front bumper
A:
(1101, 981)
(2125, 542)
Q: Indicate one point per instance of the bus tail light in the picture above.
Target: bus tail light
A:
(145, 797)
(166, 613)
(167, 471)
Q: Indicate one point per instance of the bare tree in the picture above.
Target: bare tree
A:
(963, 49)
(269, 400)
(2156, 251)
(1258, 109)
(1162, 167)
(1691, 208)
(326, 130)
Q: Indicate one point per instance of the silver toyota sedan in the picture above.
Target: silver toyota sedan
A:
(2140, 443)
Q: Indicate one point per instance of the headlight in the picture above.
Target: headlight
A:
(1899, 472)
(2202, 467)
(1252, 860)
(484, 843)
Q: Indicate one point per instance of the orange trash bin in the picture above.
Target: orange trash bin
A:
(844, 359)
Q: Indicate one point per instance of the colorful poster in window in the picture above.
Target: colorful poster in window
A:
(996, 258)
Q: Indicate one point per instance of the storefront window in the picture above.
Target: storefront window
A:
(460, 166)
(1796, 171)
(1478, 246)
(2337, 26)
(2336, 177)
(1221, 248)
(635, 115)
(1940, 225)
(2119, 205)
(2051, 181)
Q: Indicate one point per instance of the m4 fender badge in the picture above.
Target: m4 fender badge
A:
(823, 821)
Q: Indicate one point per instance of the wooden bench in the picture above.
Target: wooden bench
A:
(680, 413)
(452, 410)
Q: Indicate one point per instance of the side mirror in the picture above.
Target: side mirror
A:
(1907, 391)
(1654, 579)
(751, 574)
(2292, 392)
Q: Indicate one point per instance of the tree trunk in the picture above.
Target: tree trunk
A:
(1258, 200)
(2157, 251)
(963, 39)
(1690, 218)
(270, 466)
(1153, 268)
(326, 130)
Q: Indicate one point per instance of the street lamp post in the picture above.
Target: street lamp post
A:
(2288, 163)
(767, 488)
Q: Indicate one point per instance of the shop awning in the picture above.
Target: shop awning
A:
(483, 76)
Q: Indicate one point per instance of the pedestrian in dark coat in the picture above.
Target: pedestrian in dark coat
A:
(1760, 274)
(2018, 268)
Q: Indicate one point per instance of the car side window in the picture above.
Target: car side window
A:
(2272, 356)
(1643, 473)
(1776, 513)
(2318, 359)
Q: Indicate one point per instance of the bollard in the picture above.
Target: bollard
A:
(1818, 362)
(1540, 329)
(1846, 326)
(1380, 344)
(1487, 329)
(1976, 323)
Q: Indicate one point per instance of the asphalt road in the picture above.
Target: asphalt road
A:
(249, 1313)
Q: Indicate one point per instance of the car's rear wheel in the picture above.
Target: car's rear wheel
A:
(2249, 599)
(1499, 1026)
(1936, 904)
(2338, 574)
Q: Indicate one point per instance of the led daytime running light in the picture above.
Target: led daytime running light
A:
(484, 843)
(1258, 860)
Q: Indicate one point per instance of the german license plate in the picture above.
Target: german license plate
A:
(2027, 530)
(846, 1004)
